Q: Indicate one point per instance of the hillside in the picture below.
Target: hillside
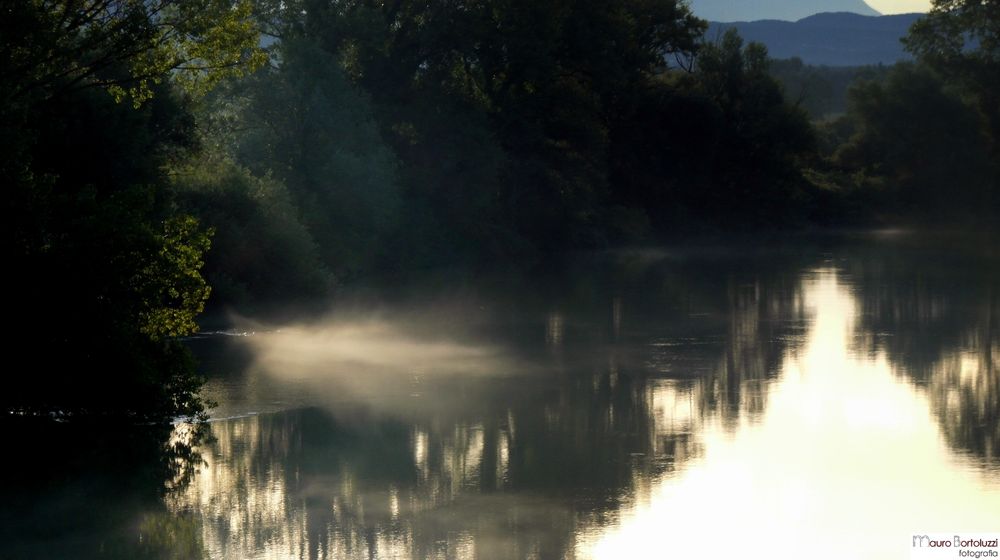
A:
(832, 39)
(787, 10)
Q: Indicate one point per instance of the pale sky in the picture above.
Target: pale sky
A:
(899, 6)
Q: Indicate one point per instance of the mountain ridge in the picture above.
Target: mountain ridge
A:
(830, 39)
(728, 11)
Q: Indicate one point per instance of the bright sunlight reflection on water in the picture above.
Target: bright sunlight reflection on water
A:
(846, 462)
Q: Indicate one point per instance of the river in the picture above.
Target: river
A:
(822, 399)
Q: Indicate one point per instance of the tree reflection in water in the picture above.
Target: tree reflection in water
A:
(626, 367)
(650, 382)
(846, 459)
(935, 311)
(95, 489)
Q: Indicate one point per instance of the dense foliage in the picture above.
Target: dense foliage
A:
(924, 140)
(317, 143)
(103, 271)
(821, 91)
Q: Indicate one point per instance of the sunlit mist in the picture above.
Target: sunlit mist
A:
(367, 356)
(847, 462)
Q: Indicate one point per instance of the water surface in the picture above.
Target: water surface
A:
(825, 400)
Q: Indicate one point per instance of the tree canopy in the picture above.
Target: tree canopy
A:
(362, 138)
(960, 39)
(108, 271)
(127, 46)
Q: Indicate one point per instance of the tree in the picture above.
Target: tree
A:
(108, 275)
(108, 272)
(718, 147)
(765, 143)
(920, 146)
(500, 111)
(960, 39)
(303, 123)
(261, 250)
(50, 47)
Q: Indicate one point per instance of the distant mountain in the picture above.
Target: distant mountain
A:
(786, 10)
(832, 39)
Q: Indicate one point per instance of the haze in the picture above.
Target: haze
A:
(887, 7)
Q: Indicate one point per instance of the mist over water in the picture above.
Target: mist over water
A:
(398, 364)
(361, 351)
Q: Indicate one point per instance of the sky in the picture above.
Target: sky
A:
(899, 6)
